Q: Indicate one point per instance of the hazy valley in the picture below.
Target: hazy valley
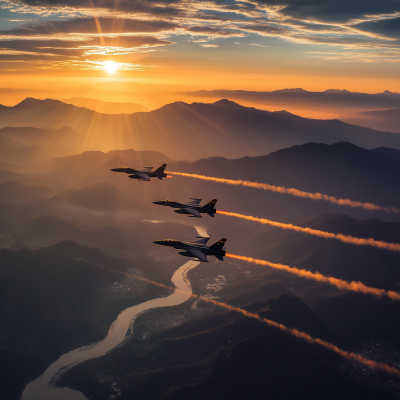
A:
(77, 249)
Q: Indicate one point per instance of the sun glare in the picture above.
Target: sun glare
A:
(110, 66)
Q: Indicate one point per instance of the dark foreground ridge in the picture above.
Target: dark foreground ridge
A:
(226, 356)
(53, 300)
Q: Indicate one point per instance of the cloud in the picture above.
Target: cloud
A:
(339, 11)
(42, 63)
(42, 49)
(156, 8)
(364, 57)
(316, 28)
(345, 24)
(347, 42)
(389, 28)
(213, 32)
(265, 30)
(91, 26)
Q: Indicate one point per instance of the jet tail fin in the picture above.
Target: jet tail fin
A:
(211, 214)
(211, 204)
(161, 169)
(219, 245)
(220, 258)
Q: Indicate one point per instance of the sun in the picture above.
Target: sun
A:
(110, 66)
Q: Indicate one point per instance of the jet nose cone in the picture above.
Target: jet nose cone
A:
(158, 242)
(157, 202)
(113, 169)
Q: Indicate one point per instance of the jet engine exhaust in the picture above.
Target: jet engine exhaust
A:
(328, 235)
(353, 286)
(293, 192)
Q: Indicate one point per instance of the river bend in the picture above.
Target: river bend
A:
(43, 388)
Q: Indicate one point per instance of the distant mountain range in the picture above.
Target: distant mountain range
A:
(151, 95)
(384, 120)
(26, 145)
(91, 167)
(17, 192)
(340, 100)
(105, 107)
(5, 166)
(191, 131)
(342, 170)
(29, 136)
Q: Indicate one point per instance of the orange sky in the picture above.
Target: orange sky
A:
(198, 45)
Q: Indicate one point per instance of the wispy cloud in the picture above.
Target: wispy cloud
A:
(370, 57)
(257, 44)
(104, 27)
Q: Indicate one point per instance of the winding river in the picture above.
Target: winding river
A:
(43, 388)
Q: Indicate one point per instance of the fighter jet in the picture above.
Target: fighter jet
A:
(192, 207)
(144, 174)
(197, 248)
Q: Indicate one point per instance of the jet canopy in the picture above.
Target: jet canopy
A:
(168, 201)
(124, 167)
(171, 240)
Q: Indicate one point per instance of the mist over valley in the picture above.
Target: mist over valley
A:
(77, 253)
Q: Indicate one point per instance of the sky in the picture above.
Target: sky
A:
(215, 44)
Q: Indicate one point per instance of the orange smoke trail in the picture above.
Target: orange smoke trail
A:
(305, 336)
(328, 235)
(293, 192)
(299, 334)
(354, 286)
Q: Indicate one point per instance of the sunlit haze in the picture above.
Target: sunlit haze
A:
(199, 199)
(197, 45)
(110, 66)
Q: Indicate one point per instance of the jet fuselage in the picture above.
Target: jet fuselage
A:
(144, 174)
(193, 249)
(191, 208)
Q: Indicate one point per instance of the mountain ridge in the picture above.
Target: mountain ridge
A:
(221, 128)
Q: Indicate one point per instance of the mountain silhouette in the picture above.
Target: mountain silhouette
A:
(382, 120)
(342, 170)
(17, 192)
(106, 107)
(191, 131)
(330, 99)
(28, 136)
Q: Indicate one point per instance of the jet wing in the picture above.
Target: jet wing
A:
(143, 175)
(194, 202)
(192, 211)
(202, 240)
(146, 169)
(198, 254)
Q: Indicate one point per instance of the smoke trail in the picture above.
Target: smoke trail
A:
(305, 336)
(292, 331)
(353, 286)
(328, 235)
(293, 192)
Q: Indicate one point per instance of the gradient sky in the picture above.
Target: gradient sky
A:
(257, 45)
